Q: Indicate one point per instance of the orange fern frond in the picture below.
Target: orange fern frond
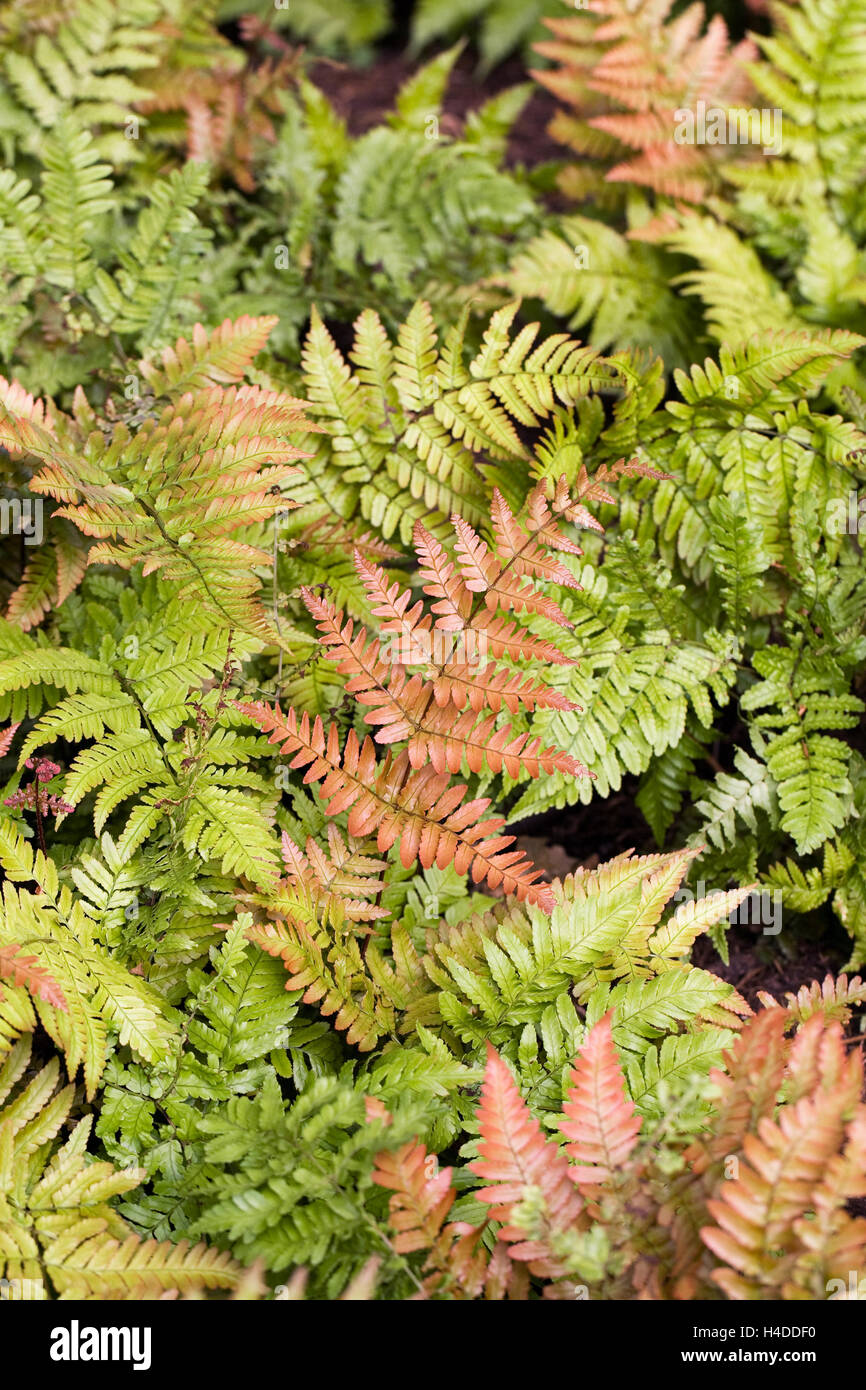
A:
(318, 911)
(184, 490)
(412, 708)
(216, 358)
(414, 627)
(227, 111)
(515, 1157)
(420, 808)
(833, 1241)
(816, 1061)
(757, 1213)
(631, 72)
(6, 738)
(749, 1087)
(423, 1195)
(601, 1123)
(24, 420)
(333, 979)
(427, 709)
(342, 882)
(494, 687)
(50, 576)
(26, 971)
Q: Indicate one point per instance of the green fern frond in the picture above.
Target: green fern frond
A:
(58, 1223)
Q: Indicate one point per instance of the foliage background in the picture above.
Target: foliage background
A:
(299, 397)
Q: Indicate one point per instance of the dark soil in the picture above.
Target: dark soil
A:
(757, 966)
(364, 97)
(592, 833)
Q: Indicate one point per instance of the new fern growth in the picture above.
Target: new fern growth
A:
(631, 72)
(410, 795)
(755, 1206)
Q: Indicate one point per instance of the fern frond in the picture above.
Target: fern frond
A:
(758, 1213)
(833, 998)
(515, 1155)
(222, 456)
(26, 971)
(600, 1125)
(57, 1218)
(632, 74)
(420, 808)
(412, 432)
(97, 992)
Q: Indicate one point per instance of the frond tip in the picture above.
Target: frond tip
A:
(601, 1123)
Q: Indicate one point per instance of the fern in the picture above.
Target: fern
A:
(499, 26)
(807, 766)
(93, 992)
(328, 26)
(638, 58)
(321, 1212)
(610, 1212)
(409, 796)
(590, 274)
(93, 68)
(426, 413)
(180, 518)
(58, 1222)
(404, 211)
(277, 674)
(105, 305)
(26, 971)
(776, 241)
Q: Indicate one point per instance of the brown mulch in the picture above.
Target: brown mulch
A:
(756, 966)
